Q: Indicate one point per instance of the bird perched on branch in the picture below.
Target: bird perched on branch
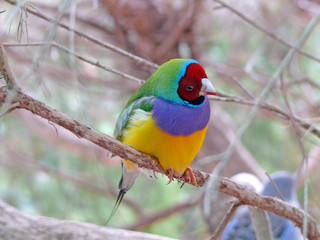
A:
(166, 117)
(241, 227)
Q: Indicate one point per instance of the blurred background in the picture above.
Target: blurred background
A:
(46, 170)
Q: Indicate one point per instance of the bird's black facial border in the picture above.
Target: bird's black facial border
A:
(197, 101)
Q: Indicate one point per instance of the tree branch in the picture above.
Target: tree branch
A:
(5, 69)
(146, 221)
(77, 55)
(245, 195)
(17, 225)
(234, 206)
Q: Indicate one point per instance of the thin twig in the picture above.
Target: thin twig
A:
(275, 187)
(162, 214)
(174, 37)
(266, 31)
(5, 69)
(226, 219)
(261, 223)
(81, 57)
(224, 97)
(304, 156)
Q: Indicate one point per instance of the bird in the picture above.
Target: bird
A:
(166, 117)
(241, 227)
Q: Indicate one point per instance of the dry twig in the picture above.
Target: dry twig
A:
(224, 97)
(226, 219)
(81, 57)
(5, 69)
(146, 221)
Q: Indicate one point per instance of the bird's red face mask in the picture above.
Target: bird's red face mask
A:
(194, 85)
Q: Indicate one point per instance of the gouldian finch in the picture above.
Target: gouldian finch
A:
(166, 117)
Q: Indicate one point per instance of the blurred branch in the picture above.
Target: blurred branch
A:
(17, 225)
(48, 132)
(5, 69)
(25, 160)
(88, 37)
(146, 221)
(226, 219)
(266, 31)
(266, 106)
(83, 58)
(313, 163)
(186, 19)
(261, 224)
(143, 160)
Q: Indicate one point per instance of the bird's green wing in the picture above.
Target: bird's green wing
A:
(138, 109)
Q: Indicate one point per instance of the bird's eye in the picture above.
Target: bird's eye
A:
(189, 88)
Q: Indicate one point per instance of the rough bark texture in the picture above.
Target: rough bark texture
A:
(21, 226)
(18, 99)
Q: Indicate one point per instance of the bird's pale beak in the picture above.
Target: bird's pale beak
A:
(207, 88)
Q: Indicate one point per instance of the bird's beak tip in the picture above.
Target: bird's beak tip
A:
(212, 93)
(207, 87)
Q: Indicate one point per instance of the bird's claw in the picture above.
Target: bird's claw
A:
(170, 175)
(191, 178)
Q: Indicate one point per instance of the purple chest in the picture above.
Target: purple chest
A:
(178, 119)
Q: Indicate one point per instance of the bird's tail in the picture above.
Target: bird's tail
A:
(122, 192)
(129, 175)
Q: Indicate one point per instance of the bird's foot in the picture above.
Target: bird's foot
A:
(170, 175)
(191, 178)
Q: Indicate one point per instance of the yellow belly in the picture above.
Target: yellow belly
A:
(175, 152)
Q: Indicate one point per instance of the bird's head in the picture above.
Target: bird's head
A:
(194, 85)
(183, 81)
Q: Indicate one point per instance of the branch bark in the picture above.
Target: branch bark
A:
(5, 69)
(17, 225)
(20, 100)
